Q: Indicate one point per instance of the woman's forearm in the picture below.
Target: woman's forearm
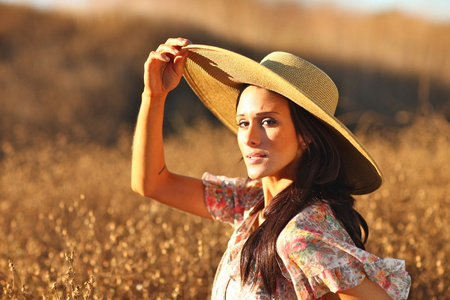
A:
(149, 175)
(148, 151)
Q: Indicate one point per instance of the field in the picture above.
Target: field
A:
(69, 94)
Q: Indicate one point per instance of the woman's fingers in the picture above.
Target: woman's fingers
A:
(172, 47)
(165, 52)
(180, 42)
(164, 66)
(168, 50)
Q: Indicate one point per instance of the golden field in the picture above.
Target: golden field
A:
(70, 225)
(62, 197)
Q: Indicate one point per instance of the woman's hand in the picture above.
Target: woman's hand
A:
(164, 67)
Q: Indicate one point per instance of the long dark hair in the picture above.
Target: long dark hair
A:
(319, 178)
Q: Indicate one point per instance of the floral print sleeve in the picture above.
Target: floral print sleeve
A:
(320, 257)
(228, 198)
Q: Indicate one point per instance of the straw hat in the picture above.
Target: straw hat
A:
(217, 76)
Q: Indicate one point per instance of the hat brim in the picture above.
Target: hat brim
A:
(217, 76)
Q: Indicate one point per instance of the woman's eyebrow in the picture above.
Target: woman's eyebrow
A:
(261, 113)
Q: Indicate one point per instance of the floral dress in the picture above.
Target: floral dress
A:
(318, 254)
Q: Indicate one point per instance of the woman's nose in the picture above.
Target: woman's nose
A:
(252, 136)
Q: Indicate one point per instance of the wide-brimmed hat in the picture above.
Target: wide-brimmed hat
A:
(217, 76)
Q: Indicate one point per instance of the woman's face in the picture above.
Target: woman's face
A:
(267, 138)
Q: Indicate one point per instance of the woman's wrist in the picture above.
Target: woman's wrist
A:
(152, 100)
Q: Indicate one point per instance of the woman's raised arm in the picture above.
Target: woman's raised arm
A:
(149, 175)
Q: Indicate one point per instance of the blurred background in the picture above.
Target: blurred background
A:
(70, 86)
(75, 66)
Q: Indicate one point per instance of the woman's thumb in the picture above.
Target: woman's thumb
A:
(178, 64)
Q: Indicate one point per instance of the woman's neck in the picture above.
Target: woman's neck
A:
(272, 187)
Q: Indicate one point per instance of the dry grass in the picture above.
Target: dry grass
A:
(409, 214)
(62, 197)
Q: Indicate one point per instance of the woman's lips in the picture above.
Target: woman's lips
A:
(255, 158)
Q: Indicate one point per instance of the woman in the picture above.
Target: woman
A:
(296, 235)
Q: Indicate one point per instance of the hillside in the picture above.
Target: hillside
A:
(80, 75)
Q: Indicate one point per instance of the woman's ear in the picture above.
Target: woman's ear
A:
(301, 142)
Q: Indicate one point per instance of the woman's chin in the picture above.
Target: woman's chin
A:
(254, 175)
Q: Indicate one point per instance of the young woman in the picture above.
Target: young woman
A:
(297, 235)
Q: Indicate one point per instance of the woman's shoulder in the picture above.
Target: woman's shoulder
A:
(225, 181)
(315, 222)
(319, 214)
(316, 249)
(227, 199)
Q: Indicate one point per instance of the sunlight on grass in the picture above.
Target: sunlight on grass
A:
(61, 197)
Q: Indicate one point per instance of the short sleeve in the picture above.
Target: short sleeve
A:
(228, 198)
(320, 257)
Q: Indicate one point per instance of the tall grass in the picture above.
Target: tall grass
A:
(62, 197)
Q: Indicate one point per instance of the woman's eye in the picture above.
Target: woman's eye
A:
(242, 124)
(269, 122)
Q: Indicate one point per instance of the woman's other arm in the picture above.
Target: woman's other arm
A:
(149, 175)
(366, 290)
